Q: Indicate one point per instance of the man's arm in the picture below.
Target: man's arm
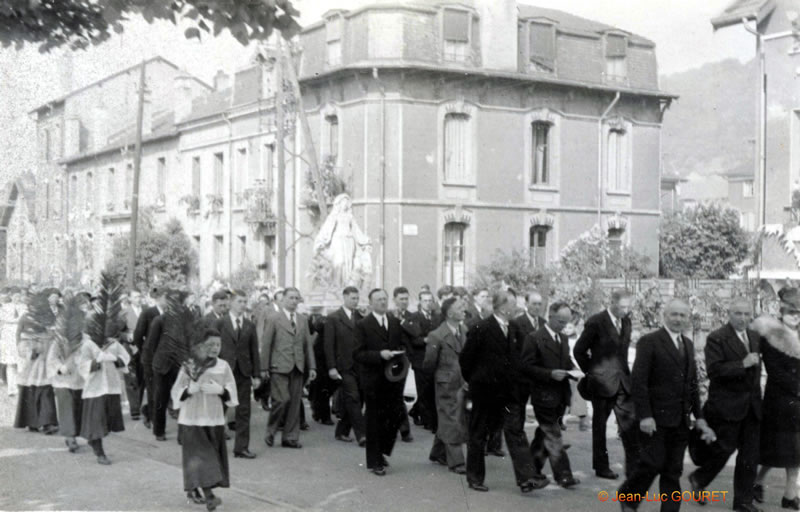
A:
(640, 378)
(266, 346)
(362, 354)
(329, 342)
(141, 330)
(584, 345)
(432, 349)
(469, 353)
(310, 358)
(254, 355)
(716, 364)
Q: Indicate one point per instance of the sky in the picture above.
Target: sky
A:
(680, 28)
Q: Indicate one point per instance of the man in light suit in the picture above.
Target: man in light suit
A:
(286, 351)
(240, 350)
(131, 310)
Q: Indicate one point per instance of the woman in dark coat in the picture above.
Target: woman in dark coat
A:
(780, 428)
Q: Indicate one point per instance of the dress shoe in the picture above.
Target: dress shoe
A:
(384, 462)
(793, 504)
(496, 453)
(746, 507)
(50, 430)
(606, 473)
(362, 442)
(540, 481)
(459, 470)
(344, 439)
(568, 482)
(195, 497)
(161, 438)
(213, 503)
(328, 422)
(147, 423)
(478, 487)
(407, 437)
(72, 445)
(526, 487)
(441, 461)
(379, 470)
(697, 490)
(291, 444)
(304, 426)
(102, 459)
(270, 440)
(417, 420)
(135, 417)
(758, 493)
(244, 454)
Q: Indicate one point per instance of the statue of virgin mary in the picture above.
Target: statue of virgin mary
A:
(344, 246)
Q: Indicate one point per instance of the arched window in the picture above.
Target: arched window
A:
(453, 256)
(537, 249)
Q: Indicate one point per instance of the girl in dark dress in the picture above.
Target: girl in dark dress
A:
(204, 383)
(780, 428)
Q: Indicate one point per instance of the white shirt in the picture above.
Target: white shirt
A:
(108, 379)
(348, 313)
(553, 333)
(289, 315)
(617, 322)
(743, 336)
(201, 409)
(382, 321)
(676, 338)
(234, 318)
(72, 379)
(534, 321)
(503, 324)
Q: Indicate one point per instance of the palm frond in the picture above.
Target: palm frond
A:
(69, 327)
(40, 316)
(106, 321)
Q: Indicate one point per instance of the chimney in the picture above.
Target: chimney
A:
(147, 117)
(498, 33)
(72, 137)
(221, 80)
(100, 127)
(182, 96)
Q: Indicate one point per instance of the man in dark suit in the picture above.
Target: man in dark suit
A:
(321, 388)
(220, 304)
(528, 322)
(287, 351)
(378, 340)
(424, 409)
(733, 408)
(339, 346)
(489, 364)
(240, 350)
(145, 375)
(477, 303)
(546, 362)
(665, 393)
(602, 353)
(410, 332)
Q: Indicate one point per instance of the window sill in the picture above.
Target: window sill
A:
(618, 193)
(543, 188)
(462, 185)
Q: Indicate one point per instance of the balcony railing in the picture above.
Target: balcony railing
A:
(258, 211)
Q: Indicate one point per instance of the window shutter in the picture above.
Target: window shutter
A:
(333, 29)
(542, 44)
(616, 46)
(456, 26)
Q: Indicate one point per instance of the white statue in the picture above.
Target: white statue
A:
(342, 244)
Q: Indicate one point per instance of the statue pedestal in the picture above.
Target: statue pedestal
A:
(327, 300)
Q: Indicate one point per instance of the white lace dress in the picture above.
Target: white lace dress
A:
(9, 318)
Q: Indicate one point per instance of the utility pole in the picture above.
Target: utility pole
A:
(137, 164)
(280, 239)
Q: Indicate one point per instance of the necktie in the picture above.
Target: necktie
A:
(743, 337)
(293, 324)
(505, 329)
(383, 323)
(238, 325)
(618, 325)
(679, 343)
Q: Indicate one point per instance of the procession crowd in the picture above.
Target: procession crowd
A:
(478, 359)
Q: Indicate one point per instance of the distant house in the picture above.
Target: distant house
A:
(741, 196)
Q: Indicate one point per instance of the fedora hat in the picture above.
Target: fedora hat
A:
(396, 368)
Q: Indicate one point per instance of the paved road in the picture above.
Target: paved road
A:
(38, 473)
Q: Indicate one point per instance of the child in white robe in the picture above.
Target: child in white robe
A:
(67, 385)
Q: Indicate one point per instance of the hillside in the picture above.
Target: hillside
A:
(710, 129)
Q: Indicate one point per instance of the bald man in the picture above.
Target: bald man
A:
(733, 408)
(665, 394)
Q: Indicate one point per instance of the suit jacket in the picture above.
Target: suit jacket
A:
(602, 354)
(371, 338)
(664, 387)
(524, 325)
(412, 337)
(143, 326)
(426, 326)
(211, 319)
(340, 340)
(490, 363)
(733, 389)
(441, 359)
(540, 355)
(284, 348)
(239, 350)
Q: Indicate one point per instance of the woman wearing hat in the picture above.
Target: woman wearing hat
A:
(780, 433)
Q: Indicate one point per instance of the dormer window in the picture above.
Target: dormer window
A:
(542, 46)
(456, 34)
(616, 57)
(333, 37)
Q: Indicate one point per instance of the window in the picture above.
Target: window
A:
(73, 191)
(540, 157)
(616, 51)
(219, 162)
(128, 193)
(161, 181)
(542, 42)
(242, 249)
(537, 251)
(453, 257)
(196, 176)
(48, 145)
(268, 164)
(456, 35)
(617, 162)
(747, 188)
(110, 195)
(217, 255)
(333, 36)
(456, 148)
(89, 190)
(239, 175)
(47, 199)
(615, 242)
(57, 198)
(332, 126)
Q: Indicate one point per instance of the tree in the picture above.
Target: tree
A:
(163, 256)
(704, 242)
(79, 23)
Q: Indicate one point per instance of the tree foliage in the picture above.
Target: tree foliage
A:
(80, 23)
(164, 257)
(704, 242)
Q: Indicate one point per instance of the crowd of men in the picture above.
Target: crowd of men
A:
(478, 359)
